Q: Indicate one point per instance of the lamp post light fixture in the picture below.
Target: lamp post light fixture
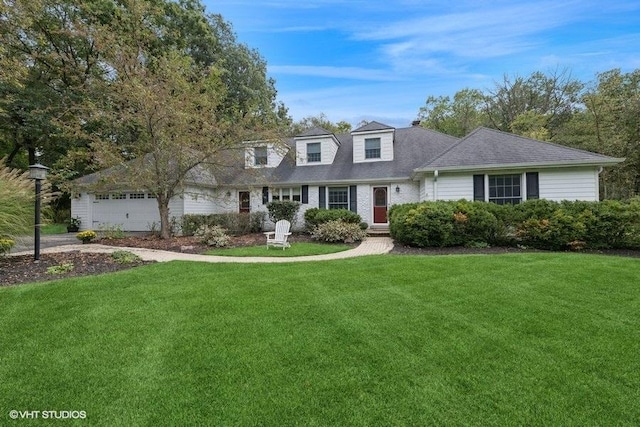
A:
(37, 172)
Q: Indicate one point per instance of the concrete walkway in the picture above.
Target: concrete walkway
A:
(371, 246)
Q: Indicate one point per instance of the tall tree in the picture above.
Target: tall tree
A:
(320, 120)
(612, 109)
(550, 99)
(164, 114)
(48, 57)
(457, 117)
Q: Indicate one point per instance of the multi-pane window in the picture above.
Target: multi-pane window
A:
(338, 198)
(372, 148)
(136, 196)
(260, 156)
(505, 189)
(118, 196)
(102, 196)
(313, 152)
(286, 194)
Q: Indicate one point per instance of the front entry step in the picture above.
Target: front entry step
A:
(378, 231)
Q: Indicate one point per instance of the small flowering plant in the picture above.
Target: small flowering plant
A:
(86, 236)
(5, 245)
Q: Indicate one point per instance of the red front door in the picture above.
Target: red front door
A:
(244, 199)
(380, 205)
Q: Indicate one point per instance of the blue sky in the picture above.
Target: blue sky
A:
(380, 60)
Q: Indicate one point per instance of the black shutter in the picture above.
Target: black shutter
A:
(533, 188)
(305, 194)
(322, 197)
(265, 195)
(353, 198)
(478, 187)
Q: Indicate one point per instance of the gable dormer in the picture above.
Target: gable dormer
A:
(262, 154)
(316, 146)
(373, 142)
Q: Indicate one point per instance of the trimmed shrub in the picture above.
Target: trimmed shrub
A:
(234, 223)
(314, 217)
(213, 235)
(283, 209)
(539, 224)
(422, 224)
(339, 231)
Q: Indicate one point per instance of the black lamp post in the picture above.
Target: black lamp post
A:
(37, 172)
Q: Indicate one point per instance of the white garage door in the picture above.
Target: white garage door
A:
(129, 211)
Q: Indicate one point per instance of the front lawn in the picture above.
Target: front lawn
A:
(53, 229)
(521, 339)
(296, 249)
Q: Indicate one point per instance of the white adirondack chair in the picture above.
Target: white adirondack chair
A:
(280, 236)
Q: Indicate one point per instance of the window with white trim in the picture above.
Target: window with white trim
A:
(260, 156)
(102, 196)
(338, 198)
(292, 193)
(314, 152)
(505, 189)
(372, 148)
(118, 196)
(136, 195)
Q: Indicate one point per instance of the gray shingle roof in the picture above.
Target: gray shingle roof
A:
(484, 148)
(373, 126)
(416, 149)
(413, 147)
(315, 131)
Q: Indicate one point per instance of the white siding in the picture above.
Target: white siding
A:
(365, 202)
(81, 208)
(275, 154)
(426, 189)
(386, 146)
(569, 184)
(328, 150)
(454, 187)
(199, 201)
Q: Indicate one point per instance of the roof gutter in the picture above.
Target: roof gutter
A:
(498, 166)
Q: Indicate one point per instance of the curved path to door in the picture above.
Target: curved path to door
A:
(371, 246)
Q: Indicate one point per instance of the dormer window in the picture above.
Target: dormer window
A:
(313, 152)
(260, 156)
(372, 148)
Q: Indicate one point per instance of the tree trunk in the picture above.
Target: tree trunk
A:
(165, 226)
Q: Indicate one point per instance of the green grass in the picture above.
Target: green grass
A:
(53, 229)
(296, 249)
(523, 339)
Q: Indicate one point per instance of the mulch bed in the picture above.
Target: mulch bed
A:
(22, 269)
(15, 270)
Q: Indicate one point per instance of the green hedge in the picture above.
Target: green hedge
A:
(234, 223)
(537, 223)
(314, 217)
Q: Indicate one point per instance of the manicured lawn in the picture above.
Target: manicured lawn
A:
(54, 229)
(296, 249)
(526, 339)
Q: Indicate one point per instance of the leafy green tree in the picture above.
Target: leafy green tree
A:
(457, 117)
(320, 120)
(549, 98)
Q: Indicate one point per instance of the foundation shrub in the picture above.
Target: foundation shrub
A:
(339, 231)
(314, 217)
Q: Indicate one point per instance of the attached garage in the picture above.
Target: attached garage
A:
(129, 211)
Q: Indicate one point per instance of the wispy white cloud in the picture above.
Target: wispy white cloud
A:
(353, 73)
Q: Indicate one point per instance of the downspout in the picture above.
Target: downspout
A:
(435, 185)
(600, 168)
